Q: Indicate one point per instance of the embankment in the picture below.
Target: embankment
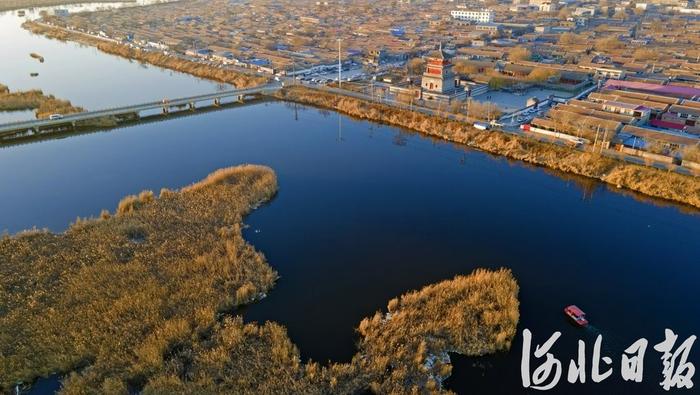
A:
(646, 180)
(156, 58)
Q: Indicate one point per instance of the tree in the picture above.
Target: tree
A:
(568, 38)
(465, 68)
(483, 110)
(496, 83)
(645, 54)
(541, 74)
(609, 44)
(620, 14)
(520, 53)
(692, 153)
(415, 66)
(564, 13)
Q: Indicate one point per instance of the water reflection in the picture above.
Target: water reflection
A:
(77, 72)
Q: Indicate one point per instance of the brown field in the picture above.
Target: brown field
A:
(646, 180)
(144, 300)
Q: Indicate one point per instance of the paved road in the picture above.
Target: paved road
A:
(43, 123)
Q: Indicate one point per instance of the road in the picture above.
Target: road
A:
(165, 103)
(514, 130)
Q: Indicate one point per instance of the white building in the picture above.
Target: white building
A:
(545, 5)
(481, 16)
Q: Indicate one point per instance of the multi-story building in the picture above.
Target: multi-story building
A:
(439, 82)
(481, 16)
(545, 5)
(438, 76)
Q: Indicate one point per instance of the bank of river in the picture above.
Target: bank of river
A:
(366, 212)
(347, 235)
(82, 74)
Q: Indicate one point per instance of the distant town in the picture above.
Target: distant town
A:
(627, 73)
(419, 163)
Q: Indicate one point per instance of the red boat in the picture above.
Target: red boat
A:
(576, 314)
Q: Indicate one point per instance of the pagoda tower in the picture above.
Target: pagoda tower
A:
(438, 76)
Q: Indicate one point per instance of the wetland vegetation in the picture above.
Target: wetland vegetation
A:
(145, 299)
(43, 105)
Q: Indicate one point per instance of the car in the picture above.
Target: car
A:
(54, 117)
(482, 126)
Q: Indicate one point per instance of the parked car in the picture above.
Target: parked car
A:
(481, 125)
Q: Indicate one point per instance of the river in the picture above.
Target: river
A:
(366, 212)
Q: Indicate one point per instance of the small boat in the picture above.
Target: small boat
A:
(33, 74)
(577, 315)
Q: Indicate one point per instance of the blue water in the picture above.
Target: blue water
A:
(367, 212)
(82, 74)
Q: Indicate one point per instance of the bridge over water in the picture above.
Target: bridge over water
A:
(22, 129)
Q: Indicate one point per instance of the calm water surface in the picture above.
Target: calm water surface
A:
(367, 212)
(82, 74)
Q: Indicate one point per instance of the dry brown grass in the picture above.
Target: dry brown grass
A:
(139, 301)
(120, 293)
(406, 349)
(237, 79)
(650, 181)
(35, 100)
(692, 153)
(6, 5)
(402, 351)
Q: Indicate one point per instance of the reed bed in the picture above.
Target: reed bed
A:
(144, 299)
(44, 105)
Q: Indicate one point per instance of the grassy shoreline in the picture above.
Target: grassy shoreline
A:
(119, 290)
(139, 300)
(648, 181)
(237, 79)
(43, 105)
(645, 180)
(9, 5)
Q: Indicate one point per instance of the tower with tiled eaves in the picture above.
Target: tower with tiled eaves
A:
(438, 76)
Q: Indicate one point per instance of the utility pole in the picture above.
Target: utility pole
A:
(605, 134)
(340, 68)
(597, 130)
